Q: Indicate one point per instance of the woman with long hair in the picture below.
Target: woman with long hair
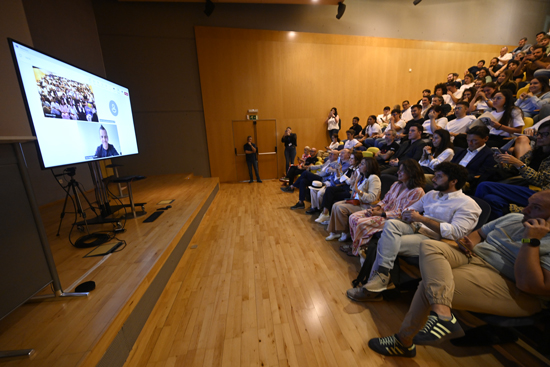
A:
(365, 191)
(403, 193)
(333, 122)
(437, 120)
(483, 99)
(507, 119)
(334, 144)
(442, 151)
(538, 95)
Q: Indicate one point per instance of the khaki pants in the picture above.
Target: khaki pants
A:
(339, 216)
(450, 278)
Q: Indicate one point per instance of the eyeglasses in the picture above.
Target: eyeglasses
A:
(543, 135)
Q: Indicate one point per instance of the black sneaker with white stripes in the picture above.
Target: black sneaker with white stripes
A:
(437, 331)
(391, 346)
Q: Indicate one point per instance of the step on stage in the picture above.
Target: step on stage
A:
(101, 329)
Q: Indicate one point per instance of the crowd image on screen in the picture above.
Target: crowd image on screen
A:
(458, 166)
(66, 99)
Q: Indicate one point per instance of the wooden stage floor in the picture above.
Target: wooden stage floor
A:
(78, 331)
(261, 288)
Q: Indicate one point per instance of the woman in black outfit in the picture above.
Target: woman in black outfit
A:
(289, 139)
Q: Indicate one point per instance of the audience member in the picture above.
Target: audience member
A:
(447, 214)
(294, 171)
(333, 122)
(403, 193)
(365, 191)
(351, 142)
(506, 119)
(356, 127)
(410, 149)
(539, 94)
(504, 56)
(534, 168)
(522, 46)
(388, 148)
(531, 63)
(384, 118)
(371, 132)
(307, 177)
(406, 110)
(442, 151)
(290, 142)
(508, 277)
(335, 143)
(454, 93)
(461, 123)
(478, 157)
(474, 70)
(426, 103)
(483, 99)
(436, 119)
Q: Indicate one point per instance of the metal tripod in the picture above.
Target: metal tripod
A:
(75, 188)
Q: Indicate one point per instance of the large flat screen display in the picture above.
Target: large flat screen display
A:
(76, 116)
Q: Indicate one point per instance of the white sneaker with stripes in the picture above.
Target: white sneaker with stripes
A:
(437, 331)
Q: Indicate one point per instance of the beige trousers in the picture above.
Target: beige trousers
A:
(339, 217)
(450, 278)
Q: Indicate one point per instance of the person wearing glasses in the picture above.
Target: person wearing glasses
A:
(533, 165)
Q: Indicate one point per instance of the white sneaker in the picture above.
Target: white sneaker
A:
(326, 222)
(344, 237)
(332, 236)
(322, 218)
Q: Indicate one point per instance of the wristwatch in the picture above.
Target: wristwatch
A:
(533, 242)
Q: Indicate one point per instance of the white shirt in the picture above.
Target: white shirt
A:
(447, 99)
(457, 213)
(441, 122)
(445, 156)
(516, 121)
(373, 129)
(502, 60)
(457, 95)
(459, 126)
(332, 124)
(470, 154)
(464, 87)
(350, 143)
(407, 115)
(383, 120)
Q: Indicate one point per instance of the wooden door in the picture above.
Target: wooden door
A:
(264, 135)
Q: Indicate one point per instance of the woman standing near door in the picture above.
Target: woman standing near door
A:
(289, 139)
(333, 122)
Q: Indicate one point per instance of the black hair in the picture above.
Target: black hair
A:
(415, 173)
(417, 106)
(453, 171)
(479, 130)
(483, 61)
(509, 106)
(356, 118)
(445, 141)
(396, 111)
(429, 98)
(387, 108)
(335, 111)
(441, 86)
(418, 126)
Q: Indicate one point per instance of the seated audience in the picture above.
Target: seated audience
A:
(483, 99)
(485, 75)
(403, 193)
(356, 127)
(371, 132)
(351, 142)
(388, 148)
(504, 80)
(522, 46)
(461, 123)
(447, 214)
(294, 171)
(494, 67)
(534, 168)
(436, 120)
(410, 149)
(454, 93)
(442, 151)
(440, 90)
(438, 101)
(509, 276)
(384, 118)
(531, 102)
(531, 63)
(416, 112)
(474, 70)
(504, 56)
(337, 187)
(406, 110)
(478, 158)
(335, 143)
(365, 191)
(307, 177)
(468, 95)
(425, 103)
(507, 119)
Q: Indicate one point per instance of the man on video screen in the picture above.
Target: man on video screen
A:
(105, 149)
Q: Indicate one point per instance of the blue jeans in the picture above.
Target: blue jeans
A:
(499, 196)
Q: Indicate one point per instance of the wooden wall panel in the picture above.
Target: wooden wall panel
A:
(297, 79)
